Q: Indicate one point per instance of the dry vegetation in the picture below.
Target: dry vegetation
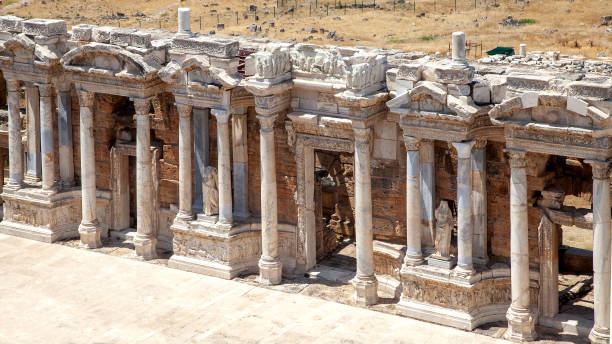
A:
(571, 27)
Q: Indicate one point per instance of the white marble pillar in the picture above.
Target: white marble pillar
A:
(201, 152)
(414, 256)
(224, 167)
(365, 282)
(64, 123)
(458, 51)
(240, 155)
(14, 133)
(479, 202)
(464, 206)
(47, 144)
(428, 194)
(33, 158)
(600, 333)
(185, 170)
(145, 242)
(89, 229)
(184, 20)
(270, 267)
(519, 315)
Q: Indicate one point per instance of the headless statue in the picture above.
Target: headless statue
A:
(444, 228)
(210, 191)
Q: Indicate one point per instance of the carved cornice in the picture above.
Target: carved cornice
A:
(517, 158)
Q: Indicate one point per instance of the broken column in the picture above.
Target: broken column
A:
(458, 53)
(523, 50)
(184, 20)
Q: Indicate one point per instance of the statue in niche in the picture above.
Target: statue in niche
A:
(444, 229)
(210, 191)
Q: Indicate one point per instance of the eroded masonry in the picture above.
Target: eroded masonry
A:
(249, 156)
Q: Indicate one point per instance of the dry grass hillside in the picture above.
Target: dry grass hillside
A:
(572, 27)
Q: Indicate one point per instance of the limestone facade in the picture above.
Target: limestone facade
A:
(212, 148)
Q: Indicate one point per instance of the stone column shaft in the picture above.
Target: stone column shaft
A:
(414, 256)
(47, 145)
(145, 241)
(479, 202)
(64, 120)
(270, 267)
(240, 164)
(365, 282)
(520, 319)
(14, 128)
(185, 170)
(464, 205)
(89, 228)
(600, 333)
(428, 192)
(33, 158)
(201, 152)
(224, 169)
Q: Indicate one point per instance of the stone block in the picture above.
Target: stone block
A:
(82, 32)
(11, 24)
(591, 90)
(410, 72)
(528, 82)
(44, 27)
(529, 100)
(576, 105)
(459, 90)
(101, 34)
(385, 130)
(384, 149)
(121, 37)
(448, 74)
(481, 93)
(141, 40)
(212, 47)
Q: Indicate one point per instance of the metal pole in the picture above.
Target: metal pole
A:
(455, 6)
(327, 9)
(274, 12)
(236, 17)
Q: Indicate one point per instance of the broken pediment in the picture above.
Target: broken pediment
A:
(19, 48)
(108, 60)
(550, 109)
(199, 73)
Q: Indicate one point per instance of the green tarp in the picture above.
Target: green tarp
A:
(501, 51)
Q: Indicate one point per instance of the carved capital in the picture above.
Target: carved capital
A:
(266, 123)
(464, 149)
(86, 99)
(363, 138)
(184, 111)
(601, 169)
(222, 116)
(517, 158)
(142, 106)
(45, 91)
(412, 143)
(12, 85)
(480, 143)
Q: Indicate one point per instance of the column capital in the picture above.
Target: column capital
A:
(86, 98)
(184, 110)
(464, 149)
(239, 111)
(517, 158)
(12, 85)
(222, 116)
(45, 91)
(480, 143)
(601, 169)
(142, 106)
(412, 143)
(266, 123)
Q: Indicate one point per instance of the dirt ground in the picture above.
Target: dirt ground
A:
(569, 26)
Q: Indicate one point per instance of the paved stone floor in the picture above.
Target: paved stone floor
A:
(58, 294)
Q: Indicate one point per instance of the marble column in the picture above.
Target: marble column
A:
(33, 158)
(365, 282)
(201, 152)
(270, 267)
(47, 144)
(464, 206)
(520, 318)
(185, 170)
(479, 202)
(224, 168)
(600, 333)
(145, 242)
(240, 163)
(64, 122)
(428, 194)
(414, 256)
(89, 229)
(14, 133)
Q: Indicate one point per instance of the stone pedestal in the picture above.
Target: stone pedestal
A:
(89, 229)
(364, 282)
(520, 318)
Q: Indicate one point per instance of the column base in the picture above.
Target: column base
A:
(31, 179)
(270, 272)
(599, 335)
(521, 325)
(90, 235)
(13, 185)
(145, 246)
(184, 216)
(366, 290)
(413, 259)
(464, 270)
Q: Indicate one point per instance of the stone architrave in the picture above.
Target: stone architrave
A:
(210, 191)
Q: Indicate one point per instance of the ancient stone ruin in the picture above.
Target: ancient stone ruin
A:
(229, 152)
